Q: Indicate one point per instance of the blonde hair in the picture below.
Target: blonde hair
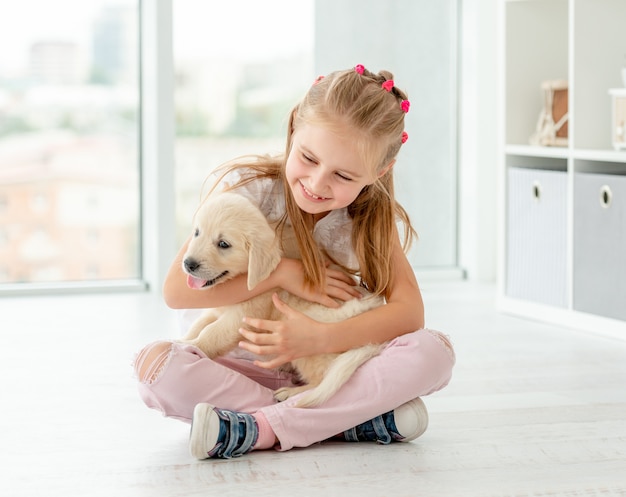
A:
(375, 117)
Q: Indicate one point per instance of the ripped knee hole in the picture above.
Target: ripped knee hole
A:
(152, 360)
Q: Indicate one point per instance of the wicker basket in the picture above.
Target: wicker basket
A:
(552, 126)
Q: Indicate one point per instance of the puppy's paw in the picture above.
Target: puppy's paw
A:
(286, 392)
(283, 394)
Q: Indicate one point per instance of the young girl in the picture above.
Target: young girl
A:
(333, 188)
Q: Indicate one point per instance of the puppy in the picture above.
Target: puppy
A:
(231, 237)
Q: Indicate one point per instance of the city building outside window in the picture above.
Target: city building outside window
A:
(69, 141)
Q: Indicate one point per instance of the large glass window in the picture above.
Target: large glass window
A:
(69, 168)
(240, 67)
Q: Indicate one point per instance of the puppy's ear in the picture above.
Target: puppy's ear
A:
(264, 256)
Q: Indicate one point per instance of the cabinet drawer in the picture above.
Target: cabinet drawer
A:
(600, 244)
(536, 266)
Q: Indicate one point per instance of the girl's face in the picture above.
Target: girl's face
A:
(324, 170)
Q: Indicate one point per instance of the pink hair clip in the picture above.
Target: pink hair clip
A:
(405, 105)
(388, 85)
(359, 68)
(405, 136)
(318, 79)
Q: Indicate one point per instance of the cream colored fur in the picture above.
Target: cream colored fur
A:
(232, 237)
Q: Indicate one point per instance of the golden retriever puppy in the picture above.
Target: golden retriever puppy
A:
(231, 237)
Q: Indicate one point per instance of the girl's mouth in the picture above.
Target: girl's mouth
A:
(311, 195)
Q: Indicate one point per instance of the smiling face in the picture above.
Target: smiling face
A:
(324, 170)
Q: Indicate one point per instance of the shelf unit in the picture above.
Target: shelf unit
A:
(563, 215)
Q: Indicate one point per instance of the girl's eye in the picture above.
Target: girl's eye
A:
(345, 178)
(223, 244)
(308, 159)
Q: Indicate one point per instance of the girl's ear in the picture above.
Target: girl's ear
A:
(385, 169)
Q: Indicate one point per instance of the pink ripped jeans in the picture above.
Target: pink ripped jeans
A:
(173, 378)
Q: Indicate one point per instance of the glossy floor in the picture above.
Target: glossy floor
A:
(532, 410)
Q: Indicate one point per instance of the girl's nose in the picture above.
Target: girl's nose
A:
(318, 181)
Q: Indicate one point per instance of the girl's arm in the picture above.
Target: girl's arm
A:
(403, 313)
(288, 275)
(299, 336)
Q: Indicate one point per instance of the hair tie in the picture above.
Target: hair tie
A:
(405, 137)
(359, 68)
(404, 105)
(318, 79)
(388, 85)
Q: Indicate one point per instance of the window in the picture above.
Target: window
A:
(69, 168)
(240, 67)
(70, 177)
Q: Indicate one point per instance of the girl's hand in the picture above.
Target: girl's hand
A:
(339, 285)
(295, 336)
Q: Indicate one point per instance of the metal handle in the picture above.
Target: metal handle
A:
(537, 191)
(605, 196)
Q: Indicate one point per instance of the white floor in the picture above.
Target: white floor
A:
(533, 410)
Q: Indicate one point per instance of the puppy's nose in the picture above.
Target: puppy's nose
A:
(191, 264)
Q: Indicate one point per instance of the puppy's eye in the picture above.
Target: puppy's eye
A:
(197, 232)
(223, 244)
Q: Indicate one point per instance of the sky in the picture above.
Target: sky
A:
(246, 29)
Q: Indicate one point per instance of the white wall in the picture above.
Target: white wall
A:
(408, 37)
(417, 41)
(479, 139)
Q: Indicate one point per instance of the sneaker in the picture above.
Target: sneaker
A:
(403, 424)
(221, 433)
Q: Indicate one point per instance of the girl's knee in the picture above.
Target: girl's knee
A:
(444, 341)
(429, 355)
(152, 360)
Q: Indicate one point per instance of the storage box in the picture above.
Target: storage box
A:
(536, 265)
(600, 244)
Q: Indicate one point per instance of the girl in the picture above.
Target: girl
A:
(333, 188)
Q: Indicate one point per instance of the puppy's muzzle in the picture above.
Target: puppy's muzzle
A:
(191, 265)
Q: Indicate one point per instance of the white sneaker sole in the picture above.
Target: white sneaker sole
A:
(411, 419)
(205, 428)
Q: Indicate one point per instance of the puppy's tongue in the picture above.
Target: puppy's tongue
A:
(195, 283)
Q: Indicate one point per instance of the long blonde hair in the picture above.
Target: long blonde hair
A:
(375, 116)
